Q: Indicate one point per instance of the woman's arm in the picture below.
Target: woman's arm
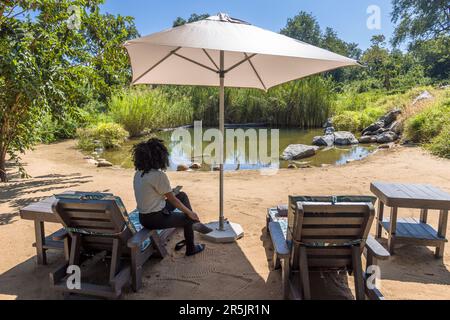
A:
(179, 205)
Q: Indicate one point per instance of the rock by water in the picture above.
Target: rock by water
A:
(298, 151)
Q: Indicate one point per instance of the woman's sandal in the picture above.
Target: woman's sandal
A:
(180, 245)
(197, 249)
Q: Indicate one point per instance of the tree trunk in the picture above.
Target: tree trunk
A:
(3, 177)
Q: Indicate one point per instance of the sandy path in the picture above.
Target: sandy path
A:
(240, 270)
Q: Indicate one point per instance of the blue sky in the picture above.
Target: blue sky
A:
(347, 17)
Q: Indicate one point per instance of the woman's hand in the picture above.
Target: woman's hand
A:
(193, 216)
(177, 204)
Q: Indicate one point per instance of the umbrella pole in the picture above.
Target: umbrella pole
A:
(222, 130)
(229, 231)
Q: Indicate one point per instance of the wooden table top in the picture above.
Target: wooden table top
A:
(41, 210)
(421, 196)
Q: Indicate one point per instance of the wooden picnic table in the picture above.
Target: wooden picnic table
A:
(41, 212)
(410, 230)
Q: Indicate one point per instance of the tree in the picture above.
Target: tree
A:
(193, 18)
(303, 27)
(49, 67)
(420, 19)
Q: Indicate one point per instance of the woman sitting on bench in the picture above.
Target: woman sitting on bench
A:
(155, 198)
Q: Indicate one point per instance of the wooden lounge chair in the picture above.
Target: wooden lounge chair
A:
(326, 236)
(100, 227)
(280, 213)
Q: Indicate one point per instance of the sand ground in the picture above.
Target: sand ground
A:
(227, 271)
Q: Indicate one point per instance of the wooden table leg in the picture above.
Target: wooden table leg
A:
(392, 229)
(442, 231)
(40, 241)
(379, 227)
(423, 215)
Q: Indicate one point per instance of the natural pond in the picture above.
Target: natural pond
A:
(240, 156)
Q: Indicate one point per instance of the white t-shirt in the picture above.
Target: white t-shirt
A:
(150, 189)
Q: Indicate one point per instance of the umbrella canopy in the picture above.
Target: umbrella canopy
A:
(226, 52)
(254, 57)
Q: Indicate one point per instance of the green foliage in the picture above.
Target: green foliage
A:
(420, 19)
(142, 109)
(303, 27)
(193, 18)
(107, 135)
(440, 145)
(50, 71)
(428, 124)
(347, 121)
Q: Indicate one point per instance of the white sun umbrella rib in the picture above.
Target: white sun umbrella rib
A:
(167, 56)
(256, 72)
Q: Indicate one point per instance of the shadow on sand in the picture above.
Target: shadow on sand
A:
(222, 271)
(21, 192)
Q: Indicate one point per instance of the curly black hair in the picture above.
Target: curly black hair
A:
(151, 154)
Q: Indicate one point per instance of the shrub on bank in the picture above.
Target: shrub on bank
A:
(440, 145)
(107, 135)
(431, 126)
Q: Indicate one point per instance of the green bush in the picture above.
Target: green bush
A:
(440, 145)
(347, 121)
(431, 127)
(427, 124)
(108, 135)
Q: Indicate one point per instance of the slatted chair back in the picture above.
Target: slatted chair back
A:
(328, 231)
(98, 222)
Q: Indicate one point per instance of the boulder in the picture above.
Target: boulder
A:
(385, 146)
(195, 165)
(386, 137)
(104, 163)
(216, 168)
(292, 166)
(329, 130)
(326, 140)
(298, 151)
(182, 167)
(396, 127)
(367, 139)
(423, 96)
(372, 128)
(344, 138)
(329, 123)
(390, 117)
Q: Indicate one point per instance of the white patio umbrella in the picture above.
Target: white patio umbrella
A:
(226, 52)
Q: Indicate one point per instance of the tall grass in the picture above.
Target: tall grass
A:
(431, 125)
(302, 104)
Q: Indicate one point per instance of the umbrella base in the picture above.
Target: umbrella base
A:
(232, 232)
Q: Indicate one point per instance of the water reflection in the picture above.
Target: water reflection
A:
(239, 158)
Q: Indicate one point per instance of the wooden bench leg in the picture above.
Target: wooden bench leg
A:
(157, 244)
(39, 231)
(304, 274)
(442, 232)
(423, 215)
(136, 269)
(285, 278)
(275, 261)
(115, 259)
(392, 229)
(379, 228)
(358, 273)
